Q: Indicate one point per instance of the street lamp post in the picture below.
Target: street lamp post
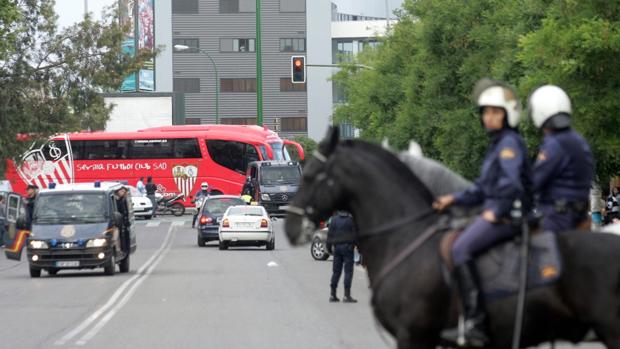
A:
(180, 48)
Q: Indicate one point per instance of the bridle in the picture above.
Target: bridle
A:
(390, 226)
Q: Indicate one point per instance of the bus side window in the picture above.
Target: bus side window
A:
(186, 148)
(228, 154)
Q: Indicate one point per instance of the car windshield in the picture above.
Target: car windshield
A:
(70, 207)
(280, 175)
(245, 211)
(220, 205)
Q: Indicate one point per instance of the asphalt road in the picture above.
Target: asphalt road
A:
(178, 295)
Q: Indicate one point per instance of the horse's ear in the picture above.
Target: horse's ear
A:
(330, 141)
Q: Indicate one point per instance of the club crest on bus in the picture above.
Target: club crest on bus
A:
(51, 162)
(185, 178)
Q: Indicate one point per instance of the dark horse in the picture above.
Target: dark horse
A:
(412, 301)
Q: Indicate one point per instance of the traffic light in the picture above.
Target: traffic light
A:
(298, 69)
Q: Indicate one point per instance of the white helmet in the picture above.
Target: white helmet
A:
(499, 95)
(204, 185)
(549, 101)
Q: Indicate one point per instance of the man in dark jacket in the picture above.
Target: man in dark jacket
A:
(151, 188)
(341, 234)
(123, 209)
(564, 169)
(31, 196)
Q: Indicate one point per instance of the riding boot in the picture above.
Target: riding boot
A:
(333, 297)
(473, 333)
(347, 296)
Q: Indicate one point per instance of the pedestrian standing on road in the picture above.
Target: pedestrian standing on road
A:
(140, 186)
(31, 196)
(341, 234)
(122, 208)
(564, 168)
(504, 178)
(151, 188)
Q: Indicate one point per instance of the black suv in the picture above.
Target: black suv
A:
(79, 226)
(274, 184)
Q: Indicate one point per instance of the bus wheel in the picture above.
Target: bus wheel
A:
(177, 209)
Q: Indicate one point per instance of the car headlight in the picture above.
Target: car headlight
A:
(38, 244)
(265, 197)
(96, 243)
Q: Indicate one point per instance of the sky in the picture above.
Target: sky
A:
(72, 11)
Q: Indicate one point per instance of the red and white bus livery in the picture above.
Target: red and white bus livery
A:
(178, 158)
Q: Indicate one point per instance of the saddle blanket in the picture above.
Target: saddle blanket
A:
(498, 268)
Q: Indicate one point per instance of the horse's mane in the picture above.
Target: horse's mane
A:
(439, 179)
(391, 161)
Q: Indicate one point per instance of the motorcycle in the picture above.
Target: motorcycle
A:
(173, 204)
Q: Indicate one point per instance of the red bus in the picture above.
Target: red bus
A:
(178, 158)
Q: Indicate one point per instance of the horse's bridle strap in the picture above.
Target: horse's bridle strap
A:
(404, 254)
(394, 224)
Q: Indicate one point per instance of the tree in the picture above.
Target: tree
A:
(577, 48)
(426, 67)
(51, 79)
(308, 144)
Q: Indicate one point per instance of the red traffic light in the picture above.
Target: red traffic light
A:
(298, 63)
(298, 69)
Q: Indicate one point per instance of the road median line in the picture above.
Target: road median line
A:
(144, 270)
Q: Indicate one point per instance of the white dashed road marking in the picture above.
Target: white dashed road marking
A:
(132, 285)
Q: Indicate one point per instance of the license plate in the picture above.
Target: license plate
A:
(245, 225)
(68, 263)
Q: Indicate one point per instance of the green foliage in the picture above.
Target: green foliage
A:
(51, 79)
(428, 64)
(308, 144)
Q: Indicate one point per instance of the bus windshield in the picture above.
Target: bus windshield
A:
(279, 151)
(69, 208)
(280, 175)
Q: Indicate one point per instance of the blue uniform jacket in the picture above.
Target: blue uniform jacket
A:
(341, 230)
(564, 168)
(505, 176)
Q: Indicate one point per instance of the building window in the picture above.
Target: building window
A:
(185, 6)
(191, 43)
(237, 45)
(292, 5)
(237, 6)
(238, 121)
(238, 85)
(286, 85)
(338, 93)
(192, 121)
(187, 85)
(294, 124)
(293, 45)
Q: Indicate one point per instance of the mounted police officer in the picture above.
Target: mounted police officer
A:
(341, 234)
(201, 195)
(504, 179)
(564, 168)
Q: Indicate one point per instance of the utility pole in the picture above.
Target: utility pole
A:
(85, 7)
(259, 68)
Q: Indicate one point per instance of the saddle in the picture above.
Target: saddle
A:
(498, 267)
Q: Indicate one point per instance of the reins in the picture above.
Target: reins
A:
(405, 253)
